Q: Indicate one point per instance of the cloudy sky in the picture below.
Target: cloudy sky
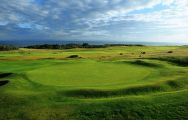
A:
(119, 20)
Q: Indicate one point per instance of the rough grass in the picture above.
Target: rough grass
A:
(135, 109)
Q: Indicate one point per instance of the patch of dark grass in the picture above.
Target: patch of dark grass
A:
(144, 63)
(141, 89)
(3, 75)
(3, 82)
(170, 52)
(175, 84)
(143, 52)
(92, 93)
(181, 61)
(73, 56)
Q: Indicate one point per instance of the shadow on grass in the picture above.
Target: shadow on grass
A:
(3, 75)
(94, 93)
(144, 63)
(3, 82)
(181, 61)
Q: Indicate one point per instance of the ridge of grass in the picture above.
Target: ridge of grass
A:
(169, 85)
(181, 61)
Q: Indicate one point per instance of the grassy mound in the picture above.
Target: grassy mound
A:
(169, 85)
(93, 93)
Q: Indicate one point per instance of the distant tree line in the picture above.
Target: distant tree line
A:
(7, 47)
(71, 46)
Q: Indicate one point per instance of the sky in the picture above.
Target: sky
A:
(110, 20)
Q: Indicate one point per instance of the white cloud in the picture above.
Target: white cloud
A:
(167, 2)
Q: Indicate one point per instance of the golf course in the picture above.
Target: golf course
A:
(111, 83)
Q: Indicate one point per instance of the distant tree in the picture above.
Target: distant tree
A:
(85, 45)
(72, 45)
(7, 47)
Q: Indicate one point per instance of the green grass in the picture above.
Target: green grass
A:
(102, 84)
(87, 73)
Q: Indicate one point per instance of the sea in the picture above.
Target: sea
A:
(24, 43)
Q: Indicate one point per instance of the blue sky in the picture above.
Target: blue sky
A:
(117, 20)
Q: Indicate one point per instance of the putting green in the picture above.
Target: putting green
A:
(89, 74)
